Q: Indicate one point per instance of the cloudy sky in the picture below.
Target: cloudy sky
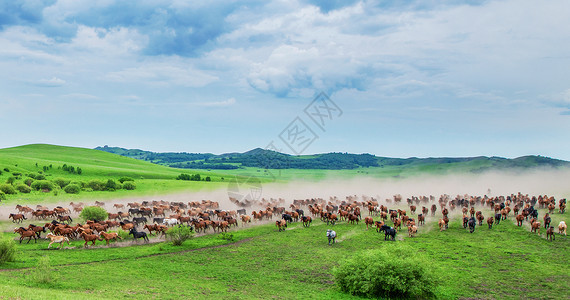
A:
(403, 78)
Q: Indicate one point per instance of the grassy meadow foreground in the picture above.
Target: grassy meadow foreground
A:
(258, 262)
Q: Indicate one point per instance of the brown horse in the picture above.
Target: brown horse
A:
(245, 219)
(17, 218)
(520, 219)
(25, 233)
(57, 239)
(368, 221)
(441, 224)
(550, 233)
(109, 236)
(281, 225)
(421, 219)
(535, 227)
(490, 221)
(412, 230)
(90, 238)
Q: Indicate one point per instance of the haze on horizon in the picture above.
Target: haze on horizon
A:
(406, 79)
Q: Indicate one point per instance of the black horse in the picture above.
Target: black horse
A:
(138, 234)
(465, 222)
(388, 231)
(287, 217)
(139, 220)
(472, 223)
(547, 221)
(300, 212)
(497, 218)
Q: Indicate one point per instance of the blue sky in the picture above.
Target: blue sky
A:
(410, 78)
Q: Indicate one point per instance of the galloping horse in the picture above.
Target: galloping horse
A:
(25, 233)
(306, 221)
(388, 231)
(138, 234)
(281, 224)
(331, 235)
(109, 236)
(57, 239)
(17, 218)
(472, 223)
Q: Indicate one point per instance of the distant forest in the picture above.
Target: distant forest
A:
(266, 159)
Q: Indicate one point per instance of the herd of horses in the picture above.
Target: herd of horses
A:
(158, 216)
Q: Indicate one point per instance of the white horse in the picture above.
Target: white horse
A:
(170, 222)
(331, 235)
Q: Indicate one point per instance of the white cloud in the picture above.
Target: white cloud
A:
(52, 82)
(228, 102)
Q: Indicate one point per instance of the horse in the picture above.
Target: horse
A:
(90, 238)
(306, 221)
(331, 235)
(471, 224)
(25, 233)
(562, 227)
(498, 218)
(520, 219)
(64, 219)
(535, 227)
(109, 236)
(138, 234)
(37, 229)
(17, 218)
(170, 222)
(281, 224)
(465, 221)
(412, 230)
(441, 224)
(57, 239)
(550, 233)
(287, 217)
(421, 219)
(490, 222)
(480, 218)
(388, 231)
(547, 221)
(369, 221)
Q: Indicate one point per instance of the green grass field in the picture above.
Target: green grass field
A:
(507, 262)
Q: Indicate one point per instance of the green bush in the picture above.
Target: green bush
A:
(8, 189)
(22, 188)
(43, 272)
(7, 250)
(61, 182)
(11, 180)
(42, 185)
(388, 272)
(2, 196)
(96, 185)
(94, 213)
(28, 181)
(123, 179)
(129, 185)
(178, 234)
(111, 185)
(72, 189)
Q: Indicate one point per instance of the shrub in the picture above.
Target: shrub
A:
(2, 196)
(40, 177)
(28, 181)
(111, 185)
(7, 250)
(42, 185)
(129, 185)
(94, 213)
(8, 189)
(178, 234)
(96, 185)
(6, 169)
(43, 273)
(123, 234)
(386, 273)
(61, 182)
(123, 179)
(72, 189)
(11, 180)
(22, 188)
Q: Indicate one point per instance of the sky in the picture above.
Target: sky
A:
(390, 78)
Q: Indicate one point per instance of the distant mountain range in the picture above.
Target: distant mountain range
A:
(266, 159)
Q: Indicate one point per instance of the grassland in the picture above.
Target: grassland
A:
(507, 262)
(150, 179)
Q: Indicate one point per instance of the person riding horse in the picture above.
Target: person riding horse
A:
(331, 235)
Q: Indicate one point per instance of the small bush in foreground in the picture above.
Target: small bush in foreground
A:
(178, 234)
(43, 273)
(94, 213)
(386, 273)
(7, 250)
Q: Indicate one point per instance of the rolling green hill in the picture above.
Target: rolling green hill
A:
(266, 159)
(60, 163)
